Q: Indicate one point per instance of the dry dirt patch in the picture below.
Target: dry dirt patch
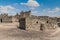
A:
(10, 31)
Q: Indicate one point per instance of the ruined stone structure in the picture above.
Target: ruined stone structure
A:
(37, 23)
(27, 21)
(58, 22)
(4, 18)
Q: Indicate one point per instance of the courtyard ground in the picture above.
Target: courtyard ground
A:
(10, 31)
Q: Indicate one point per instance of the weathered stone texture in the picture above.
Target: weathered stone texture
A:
(32, 22)
(5, 18)
(38, 23)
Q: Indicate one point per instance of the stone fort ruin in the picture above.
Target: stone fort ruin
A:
(37, 23)
(27, 21)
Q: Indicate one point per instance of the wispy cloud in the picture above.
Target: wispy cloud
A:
(51, 12)
(6, 9)
(31, 3)
(55, 10)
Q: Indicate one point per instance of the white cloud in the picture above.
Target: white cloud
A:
(55, 10)
(31, 3)
(52, 12)
(6, 9)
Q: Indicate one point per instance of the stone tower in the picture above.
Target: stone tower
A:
(25, 14)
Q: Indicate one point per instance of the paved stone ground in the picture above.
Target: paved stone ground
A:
(11, 32)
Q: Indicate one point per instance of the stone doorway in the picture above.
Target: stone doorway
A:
(1, 20)
(22, 23)
(42, 27)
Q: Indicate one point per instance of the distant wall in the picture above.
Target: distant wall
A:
(5, 19)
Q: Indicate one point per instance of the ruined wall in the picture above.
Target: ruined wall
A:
(15, 20)
(32, 24)
(58, 22)
(7, 19)
(4, 18)
(25, 14)
(50, 23)
(37, 23)
(41, 24)
(58, 19)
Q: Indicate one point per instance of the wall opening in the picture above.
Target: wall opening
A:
(1, 20)
(41, 27)
(58, 24)
(37, 22)
(22, 23)
(47, 21)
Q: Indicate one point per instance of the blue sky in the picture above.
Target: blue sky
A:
(38, 7)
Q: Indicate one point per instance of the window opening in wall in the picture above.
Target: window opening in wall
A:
(47, 21)
(37, 22)
(58, 24)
